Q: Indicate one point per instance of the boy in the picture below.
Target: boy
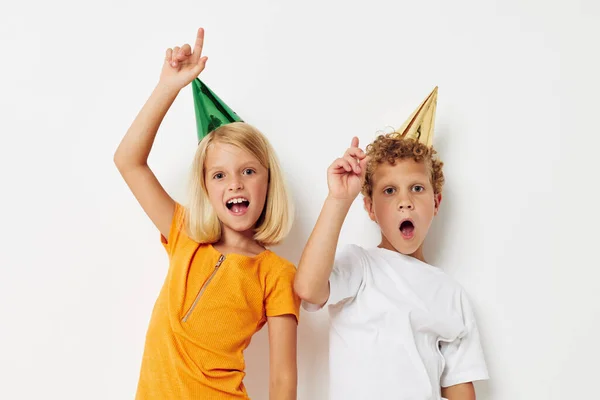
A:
(400, 328)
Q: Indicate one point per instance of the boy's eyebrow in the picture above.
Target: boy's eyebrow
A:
(393, 180)
(415, 175)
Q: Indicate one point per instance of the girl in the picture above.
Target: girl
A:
(222, 285)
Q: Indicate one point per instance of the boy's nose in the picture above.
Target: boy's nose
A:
(405, 205)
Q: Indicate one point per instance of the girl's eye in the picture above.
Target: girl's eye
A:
(218, 175)
(248, 171)
(418, 188)
(389, 190)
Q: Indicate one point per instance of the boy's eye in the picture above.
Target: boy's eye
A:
(389, 190)
(248, 171)
(418, 188)
(218, 175)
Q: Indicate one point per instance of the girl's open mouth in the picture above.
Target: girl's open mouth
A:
(238, 205)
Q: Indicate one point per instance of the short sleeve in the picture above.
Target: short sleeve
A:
(280, 298)
(464, 359)
(176, 229)
(346, 276)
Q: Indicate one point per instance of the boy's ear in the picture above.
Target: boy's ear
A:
(368, 203)
(438, 200)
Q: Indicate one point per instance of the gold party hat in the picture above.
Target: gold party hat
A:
(419, 126)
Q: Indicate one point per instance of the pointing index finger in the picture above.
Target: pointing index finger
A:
(199, 44)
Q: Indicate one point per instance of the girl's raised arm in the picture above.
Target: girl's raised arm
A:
(180, 67)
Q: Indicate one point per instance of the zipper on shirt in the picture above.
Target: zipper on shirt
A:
(203, 288)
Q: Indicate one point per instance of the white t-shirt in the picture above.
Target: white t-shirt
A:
(400, 328)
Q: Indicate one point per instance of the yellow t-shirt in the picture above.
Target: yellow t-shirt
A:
(206, 313)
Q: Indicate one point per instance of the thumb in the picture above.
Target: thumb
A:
(202, 61)
(199, 67)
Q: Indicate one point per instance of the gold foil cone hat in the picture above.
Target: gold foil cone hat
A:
(419, 126)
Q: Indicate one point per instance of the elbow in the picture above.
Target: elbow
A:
(118, 159)
(306, 291)
(302, 289)
(123, 162)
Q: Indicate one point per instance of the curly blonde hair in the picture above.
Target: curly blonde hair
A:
(390, 147)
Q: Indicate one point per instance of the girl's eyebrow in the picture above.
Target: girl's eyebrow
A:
(218, 167)
(250, 163)
(253, 162)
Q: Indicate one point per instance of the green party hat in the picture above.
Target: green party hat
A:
(211, 112)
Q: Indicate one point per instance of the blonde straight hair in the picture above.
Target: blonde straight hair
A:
(275, 222)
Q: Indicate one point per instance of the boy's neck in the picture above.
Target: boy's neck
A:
(418, 254)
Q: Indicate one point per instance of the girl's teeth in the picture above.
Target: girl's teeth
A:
(235, 201)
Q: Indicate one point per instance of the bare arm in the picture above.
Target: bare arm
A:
(345, 177)
(283, 363)
(312, 279)
(131, 158)
(132, 155)
(463, 391)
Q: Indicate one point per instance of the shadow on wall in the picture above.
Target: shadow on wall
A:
(439, 230)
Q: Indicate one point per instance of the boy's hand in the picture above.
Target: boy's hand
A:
(181, 65)
(346, 175)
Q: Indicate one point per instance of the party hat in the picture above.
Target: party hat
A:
(211, 112)
(419, 126)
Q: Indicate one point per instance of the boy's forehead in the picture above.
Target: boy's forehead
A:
(405, 169)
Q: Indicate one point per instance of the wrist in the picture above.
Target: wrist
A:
(339, 203)
(166, 88)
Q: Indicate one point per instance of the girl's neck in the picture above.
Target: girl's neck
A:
(238, 242)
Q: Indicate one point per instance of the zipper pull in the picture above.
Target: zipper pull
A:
(221, 259)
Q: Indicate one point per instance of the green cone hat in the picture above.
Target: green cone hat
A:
(211, 112)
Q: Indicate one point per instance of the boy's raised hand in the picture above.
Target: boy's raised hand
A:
(182, 65)
(346, 175)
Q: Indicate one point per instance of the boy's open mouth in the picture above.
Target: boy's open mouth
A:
(238, 205)
(407, 228)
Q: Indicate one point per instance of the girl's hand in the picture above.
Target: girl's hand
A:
(181, 65)
(346, 175)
